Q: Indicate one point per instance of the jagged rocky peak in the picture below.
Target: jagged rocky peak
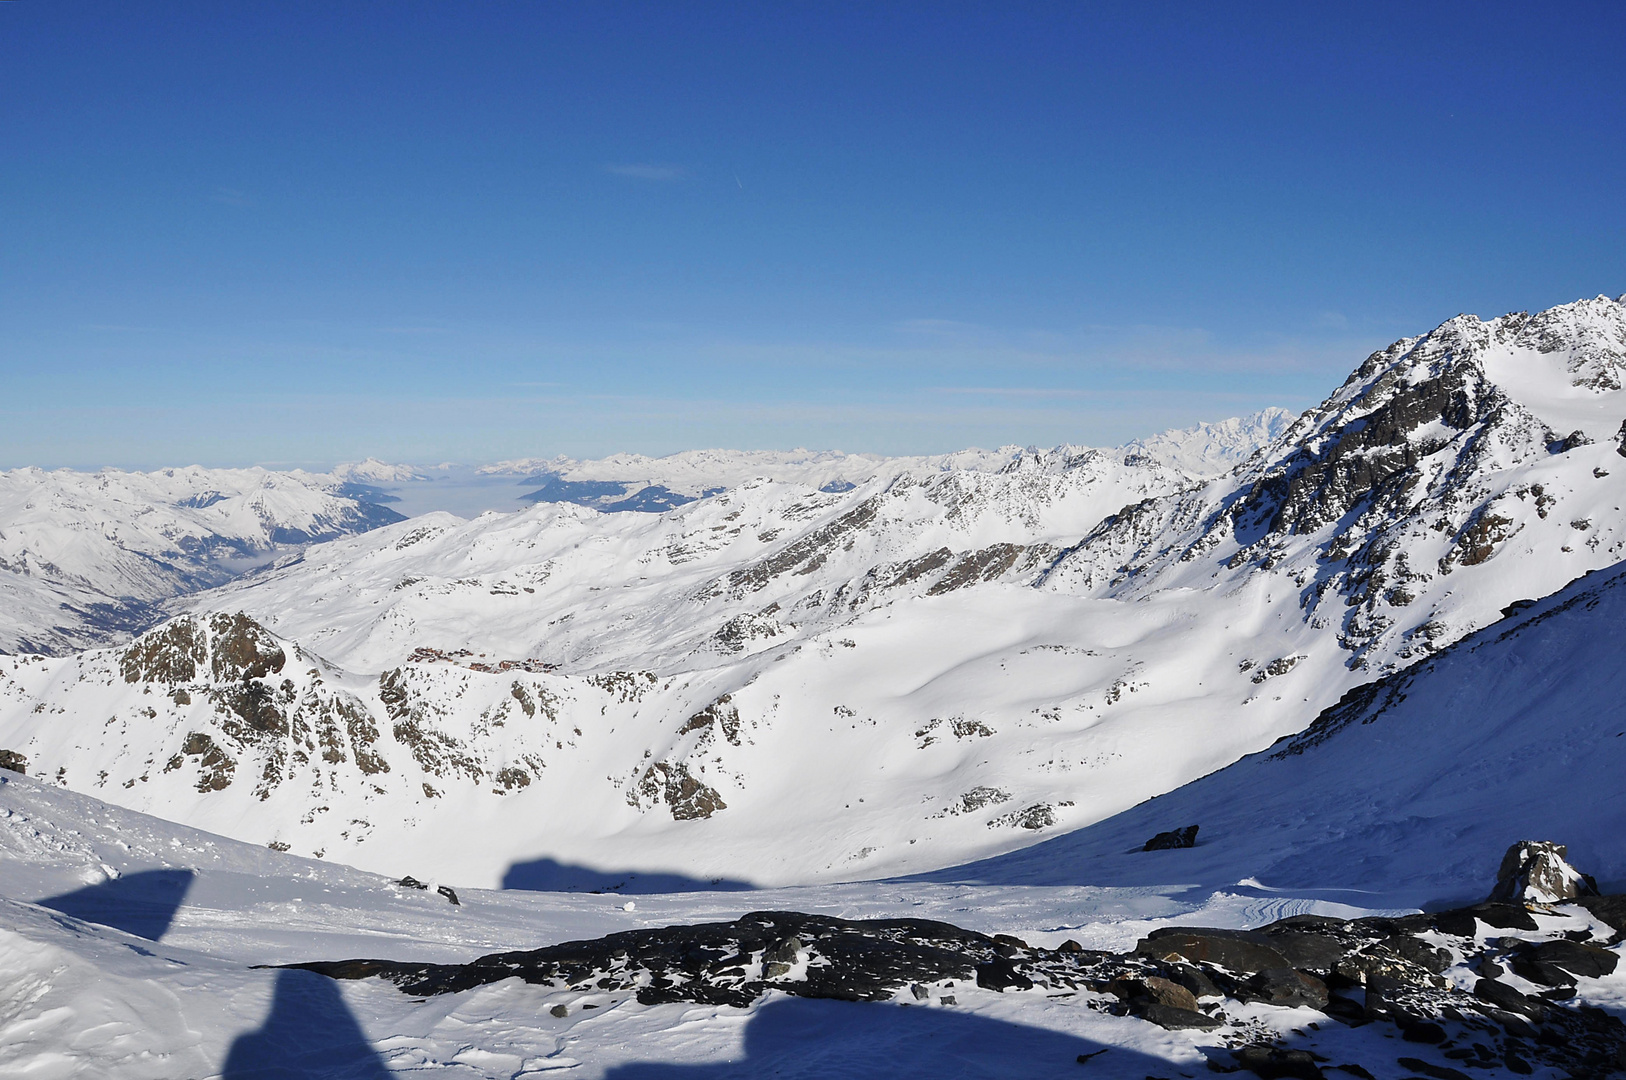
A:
(1428, 460)
(1537, 872)
(1592, 334)
(217, 648)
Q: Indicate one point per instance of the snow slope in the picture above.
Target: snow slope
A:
(1412, 786)
(127, 945)
(85, 558)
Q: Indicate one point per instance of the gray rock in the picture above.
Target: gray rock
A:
(1175, 1019)
(1243, 951)
(1535, 872)
(1286, 987)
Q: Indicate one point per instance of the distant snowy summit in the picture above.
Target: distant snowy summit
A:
(636, 482)
(89, 558)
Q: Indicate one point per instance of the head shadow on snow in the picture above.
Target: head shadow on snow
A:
(142, 903)
(800, 1037)
(548, 875)
(308, 1034)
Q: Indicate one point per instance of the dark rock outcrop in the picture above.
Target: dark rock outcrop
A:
(1174, 838)
(1355, 972)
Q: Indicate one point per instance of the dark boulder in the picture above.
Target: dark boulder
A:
(1610, 909)
(1001, 974)
(1152, 989)
(1504, 997)
(1174, 838)
(1175, 1019)
(13, 761)
(1285, 987)
(410, 882)
(1437, 1072)
(1572, 957)
(1243, 951)
(1460, 922)
(1275, 1063)
(1308, 950)
(449, 894)
(1194, 979)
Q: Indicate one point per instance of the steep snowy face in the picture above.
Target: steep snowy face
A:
(84, 557)
(1450, 475)
(1409, 788)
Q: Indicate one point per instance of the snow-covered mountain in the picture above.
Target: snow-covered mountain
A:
(1211, 449)
(1410, 786)
(782, 684)
(85, 558)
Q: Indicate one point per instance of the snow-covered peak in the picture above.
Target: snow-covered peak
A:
(1212, 449)
(374, 471)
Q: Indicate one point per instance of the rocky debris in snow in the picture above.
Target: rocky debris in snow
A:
(1409, 972)
(410, 882)
(1534, 872)
(15, 762)
(1174, 838)
(449, 894)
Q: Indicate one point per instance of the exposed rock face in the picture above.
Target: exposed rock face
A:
(1174, 838)
(682, 792)
(13, 761)
(1411, 471)
(1534, 872)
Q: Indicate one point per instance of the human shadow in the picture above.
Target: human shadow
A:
(799, 1037)
(548, 875)
(143, 903)
(308, 1035)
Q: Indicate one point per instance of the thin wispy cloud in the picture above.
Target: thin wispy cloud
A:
(657, 173)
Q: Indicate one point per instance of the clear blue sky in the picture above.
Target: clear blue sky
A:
(304, 233)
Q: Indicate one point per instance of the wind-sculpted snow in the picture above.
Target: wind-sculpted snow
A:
(87, 558)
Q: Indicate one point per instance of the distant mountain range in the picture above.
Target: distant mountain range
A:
(794, 680)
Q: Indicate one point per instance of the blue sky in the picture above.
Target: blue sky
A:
(304, 233)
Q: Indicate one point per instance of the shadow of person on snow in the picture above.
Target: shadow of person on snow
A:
(547, 875)
(143, 903)
(801, 1037)
(308, 1035)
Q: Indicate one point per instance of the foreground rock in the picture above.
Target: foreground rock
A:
(1535, 872)
(1406, 972)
